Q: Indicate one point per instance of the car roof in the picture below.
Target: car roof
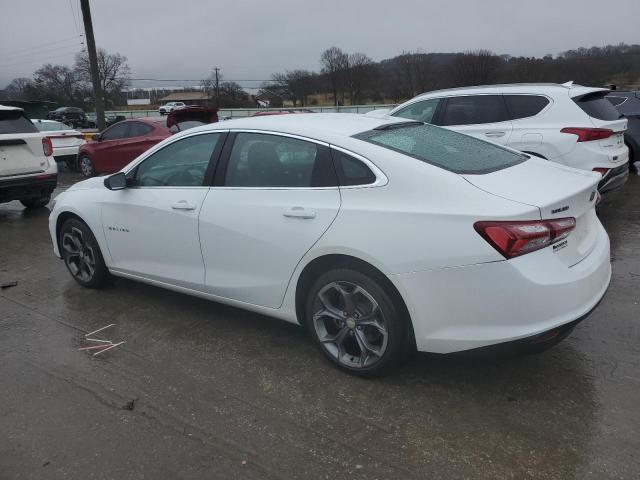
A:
(6, 107)
(573, 89)
(319, 126)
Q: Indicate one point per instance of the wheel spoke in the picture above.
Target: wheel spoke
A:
(326, 312)
(338, 338)
(364, 344)
(347, 298)
(373, 322)
(334, 312)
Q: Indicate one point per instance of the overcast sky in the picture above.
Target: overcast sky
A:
(251, 39)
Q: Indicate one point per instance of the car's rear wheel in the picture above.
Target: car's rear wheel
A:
(36, 202)
(356, 322)
(81, 254)
(86, 166)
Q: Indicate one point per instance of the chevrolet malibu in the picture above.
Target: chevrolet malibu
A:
(379, 235)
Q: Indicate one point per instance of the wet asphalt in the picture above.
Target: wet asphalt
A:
(202, 390)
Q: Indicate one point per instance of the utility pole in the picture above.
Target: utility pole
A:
(93, 62)
(217, 70)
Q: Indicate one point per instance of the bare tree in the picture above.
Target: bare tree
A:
(477, 67)
(113, 71)
(334, 65)
(19, 88)
(295, 85)
(60, 84)
(360, 70)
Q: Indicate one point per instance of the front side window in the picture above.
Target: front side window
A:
(180, 164)
(523, 106)
(443, 148)
(262, 160)
(421, 111)
(474, 110)
(116, 132)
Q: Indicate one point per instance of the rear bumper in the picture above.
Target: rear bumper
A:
(615, 178)
(65, 151)
(27, 187)
(465, 308)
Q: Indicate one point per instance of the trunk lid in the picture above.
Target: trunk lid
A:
(21, 154)
(558, 192)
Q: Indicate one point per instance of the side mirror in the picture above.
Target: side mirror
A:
(117, 181)
(96, 137)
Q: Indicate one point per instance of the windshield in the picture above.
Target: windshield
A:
(443, 148)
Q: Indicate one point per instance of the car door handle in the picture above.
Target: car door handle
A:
(183, 205)
(299, 212)
(495, 134)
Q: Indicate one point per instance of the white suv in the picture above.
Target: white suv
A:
(28, 171)
(568, 124)
(170, 107)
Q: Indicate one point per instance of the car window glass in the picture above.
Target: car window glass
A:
(475, 109)
(14, 121)
(616, 101)
(595, 105)
(138, 129)
(180, 164)
(420, 111)
(115, 132)
(522, 106)
(261, 160)
(350, 170)
(444, 148)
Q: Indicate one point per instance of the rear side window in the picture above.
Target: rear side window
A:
(523, 106)
(474, 109)
(350, 170)
(262, 160)
(15, 121)
(137, 129)
(595, 105)
(115, 132)
(420, 111)
(443, 148)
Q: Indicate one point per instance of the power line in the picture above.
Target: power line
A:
(40, 59)
(44, 51)
(41, 45)
(73, 14)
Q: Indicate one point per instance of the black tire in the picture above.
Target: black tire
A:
(358, 324)
(31, 203)
(85, 165)
(81, 254)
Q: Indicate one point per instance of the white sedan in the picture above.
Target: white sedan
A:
(65, 140)
(380, 235)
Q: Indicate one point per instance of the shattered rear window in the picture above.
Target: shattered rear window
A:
(443, 148)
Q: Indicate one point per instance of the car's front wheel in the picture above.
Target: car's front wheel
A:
(81, 254)
(356, 322)
(86, 166)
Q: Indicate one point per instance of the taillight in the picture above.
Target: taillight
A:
(601, 171)
(588, 134)
(513, 239)
(47, 146)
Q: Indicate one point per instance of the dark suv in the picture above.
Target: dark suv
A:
(628, 104)
(72, 116)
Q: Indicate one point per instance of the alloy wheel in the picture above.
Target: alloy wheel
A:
(350, 324)
(86, 167)
(78, 255)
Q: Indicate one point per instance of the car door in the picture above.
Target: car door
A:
(274, 197)
(481, 116)
(105, 151)
(140, 137)
(152, 225)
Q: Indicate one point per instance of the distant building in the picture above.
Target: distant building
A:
(190, 98)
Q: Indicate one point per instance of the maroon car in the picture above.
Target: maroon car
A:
(119, 144)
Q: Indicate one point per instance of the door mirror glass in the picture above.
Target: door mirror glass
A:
(117, 181)
(96, 137)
